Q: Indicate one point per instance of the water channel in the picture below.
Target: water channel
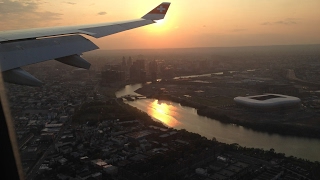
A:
(181, 117)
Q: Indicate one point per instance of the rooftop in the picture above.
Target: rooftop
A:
(266, 97)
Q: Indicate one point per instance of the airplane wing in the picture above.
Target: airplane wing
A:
(65, 44)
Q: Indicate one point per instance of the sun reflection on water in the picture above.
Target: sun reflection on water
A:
(163, 112)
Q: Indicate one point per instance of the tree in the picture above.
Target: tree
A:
(271, 150)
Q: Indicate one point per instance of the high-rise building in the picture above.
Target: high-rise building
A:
(125, 68)
(140, 63)
(110, 76)
(137, 71)
(153, 70)
(129, 62)
(124, 63)
(112, 73)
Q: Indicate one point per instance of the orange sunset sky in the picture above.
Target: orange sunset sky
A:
(188, 23)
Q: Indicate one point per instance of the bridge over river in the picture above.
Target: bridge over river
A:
(131, 97)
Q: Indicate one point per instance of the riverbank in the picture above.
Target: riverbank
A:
(182, 151)
(229, 117)
(176, 116)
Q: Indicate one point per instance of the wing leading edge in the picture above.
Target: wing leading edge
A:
(23, 47)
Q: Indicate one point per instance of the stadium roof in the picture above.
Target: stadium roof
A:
(267, 100)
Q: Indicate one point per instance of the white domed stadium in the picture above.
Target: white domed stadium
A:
(268, 101)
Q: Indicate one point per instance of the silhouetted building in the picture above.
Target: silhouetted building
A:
(137, 71)
(113, 67)
(140, 63)
(110, 76)
(124, 62)
(129, 61)
(124, 68)
(168, 73)
(153, 69)
(143, 76)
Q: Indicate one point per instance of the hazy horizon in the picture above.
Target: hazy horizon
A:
(199, 47)
(243, 53)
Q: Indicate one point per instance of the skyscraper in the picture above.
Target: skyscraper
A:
(153, 69)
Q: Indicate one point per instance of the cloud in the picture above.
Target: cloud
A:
(288, 21)
(238, 30)
(24, 14)
(72, 3)
(12, 7)
(102, 13)
(266, 23)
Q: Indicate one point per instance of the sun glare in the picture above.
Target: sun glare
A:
(163, 113)
(160, 27)
(160, 22)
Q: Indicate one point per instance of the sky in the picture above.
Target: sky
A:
(188, 23)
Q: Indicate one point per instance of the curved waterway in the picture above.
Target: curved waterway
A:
(181, 117)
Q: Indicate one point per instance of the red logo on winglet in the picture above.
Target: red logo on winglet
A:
(161, 9)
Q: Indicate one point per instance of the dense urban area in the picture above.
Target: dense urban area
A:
(74, 127)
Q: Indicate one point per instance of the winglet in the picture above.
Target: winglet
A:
(158, 13)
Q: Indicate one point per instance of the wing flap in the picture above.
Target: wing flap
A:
(98, 32)
(131, 25)
(17, 54)
(35, 33)
(102, 31)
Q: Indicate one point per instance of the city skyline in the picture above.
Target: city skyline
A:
(187, 24)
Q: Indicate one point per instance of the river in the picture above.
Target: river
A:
(181, 117)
